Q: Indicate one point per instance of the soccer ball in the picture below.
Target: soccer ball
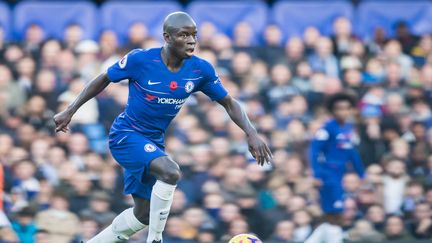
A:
(245, 238)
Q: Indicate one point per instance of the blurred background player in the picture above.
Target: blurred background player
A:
(331, 152)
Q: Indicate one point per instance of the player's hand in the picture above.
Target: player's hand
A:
(62, 120)
(259, 149)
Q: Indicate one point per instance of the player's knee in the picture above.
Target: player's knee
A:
(171, 175)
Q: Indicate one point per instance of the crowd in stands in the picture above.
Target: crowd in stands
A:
(65, 187)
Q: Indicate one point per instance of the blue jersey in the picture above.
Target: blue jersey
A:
(331, 150)
(156, 94)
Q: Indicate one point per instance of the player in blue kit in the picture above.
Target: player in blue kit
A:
(330, 152)
(160, 81)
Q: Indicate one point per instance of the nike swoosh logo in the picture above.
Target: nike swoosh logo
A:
(153, 83)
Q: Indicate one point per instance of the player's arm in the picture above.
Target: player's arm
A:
(257, 146)
(92, 89)
(316, 148)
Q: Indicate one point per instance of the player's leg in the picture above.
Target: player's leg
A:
(122, 227)
(167, 173)
(331, 200)
(128, 150)
(142, 209)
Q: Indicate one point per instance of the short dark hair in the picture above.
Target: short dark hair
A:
(332, 100)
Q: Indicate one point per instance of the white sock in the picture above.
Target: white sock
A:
(122, 227)
(160, 204)
(334, 234)
(326, 233)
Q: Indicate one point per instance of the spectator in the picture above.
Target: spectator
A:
(323, 59)
(395, 231)
(375, 214)
(284, 232)
(394, 182)
(24, 225)
(72, 35)
(11, 95)
(363, 232)
(421, 225)
(88, 228)
(99, 209)
(59, 223)
(302, 220)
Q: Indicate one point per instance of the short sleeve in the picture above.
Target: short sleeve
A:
(211, 85)
(322, 134)
(124, 68)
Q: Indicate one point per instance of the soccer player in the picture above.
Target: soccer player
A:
(331, 150)
(160, 81)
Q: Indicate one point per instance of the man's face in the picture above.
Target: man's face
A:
(183, 41)
(342, 110)
(394, 226)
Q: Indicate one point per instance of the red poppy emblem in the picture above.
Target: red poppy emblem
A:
(173, 85)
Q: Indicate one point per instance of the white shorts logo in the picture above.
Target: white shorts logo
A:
(123, 61)
(149, 147)
(189, 86)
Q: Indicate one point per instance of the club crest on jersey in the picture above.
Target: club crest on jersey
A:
(149, 147)
(189, 86)
(123, 61)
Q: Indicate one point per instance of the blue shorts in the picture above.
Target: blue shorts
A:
(135, 152)
(331, 197)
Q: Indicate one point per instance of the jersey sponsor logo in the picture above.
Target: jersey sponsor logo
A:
(170, 101)
(149, 147)
(189, 86)
(123, 61)
(344, 145)
(152, 83)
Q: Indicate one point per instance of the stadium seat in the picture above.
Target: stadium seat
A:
(119, 15)
(5, 19)
(226, 14)
(418, 15)
(293, 17)
(54, 16)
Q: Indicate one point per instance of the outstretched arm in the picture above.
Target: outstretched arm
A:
(92, 89)
(257, 147)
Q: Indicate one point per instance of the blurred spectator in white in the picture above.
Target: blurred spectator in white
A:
(88, 113)
(12, 96)
(393, 53)
(87, 60)
(394, 181)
